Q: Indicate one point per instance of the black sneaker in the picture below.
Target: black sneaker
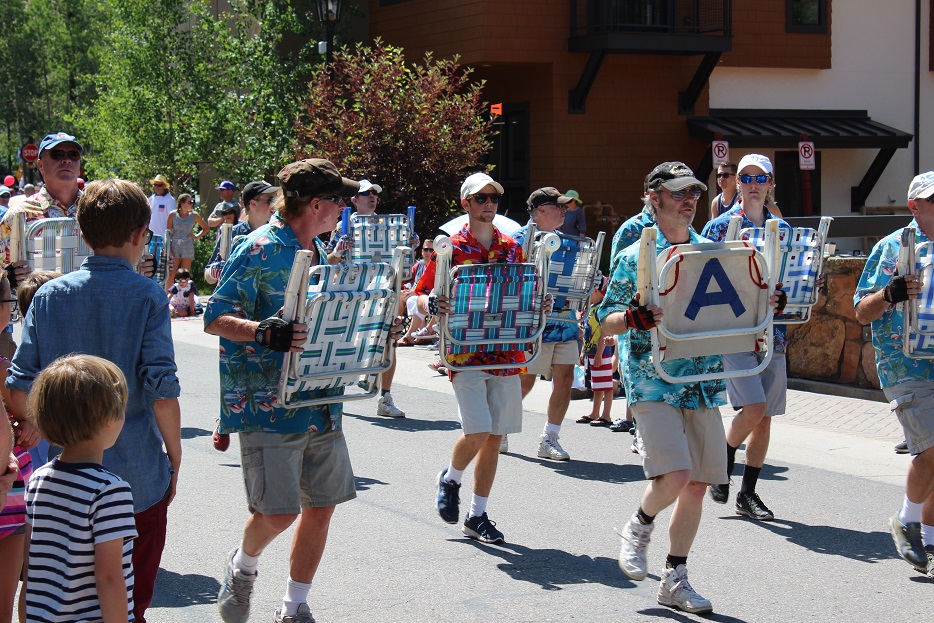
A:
(901, 448)
(621, 425)
(482, 529)
(750, 505)
(720, 493)
(449, 498)
(908, 543)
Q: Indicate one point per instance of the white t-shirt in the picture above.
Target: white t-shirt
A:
(72, 507)
(162, 206)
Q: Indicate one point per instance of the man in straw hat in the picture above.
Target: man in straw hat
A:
(162, 203)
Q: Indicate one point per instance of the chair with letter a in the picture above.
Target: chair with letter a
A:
(572, 270)
(493, 307)
(48, 243)
(715, 299)
(799, 263)
(349, 309)
(376, 237)
(916, 258)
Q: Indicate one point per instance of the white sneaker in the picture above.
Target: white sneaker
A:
(387, 407)
(675, 591)
(549, 448)
(504, 444)
(635, 541)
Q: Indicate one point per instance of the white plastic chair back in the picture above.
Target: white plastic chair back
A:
(377, 236)
(715, 301)
(48, 243)
(797, 267)
(349, 309)
(494, 307)
(918, 259)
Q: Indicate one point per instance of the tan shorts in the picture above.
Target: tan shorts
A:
(285, 473)
(488, 403)
(913, 404)
(567, 353)
(673, 439)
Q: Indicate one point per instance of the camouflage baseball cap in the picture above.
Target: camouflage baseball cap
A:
(313, 176)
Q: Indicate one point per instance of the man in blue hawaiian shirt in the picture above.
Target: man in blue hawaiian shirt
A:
(560, 349)
(679, 424)
(295, 461)
(908, 383)
(762, 396)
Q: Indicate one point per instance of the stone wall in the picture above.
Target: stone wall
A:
(833, 346)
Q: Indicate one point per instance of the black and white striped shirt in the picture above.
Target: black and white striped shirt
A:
(72, 507)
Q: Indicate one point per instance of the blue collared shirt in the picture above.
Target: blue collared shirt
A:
(109, 310)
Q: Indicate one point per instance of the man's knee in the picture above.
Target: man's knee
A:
(562, 376)
(276, 523)
(675, 481)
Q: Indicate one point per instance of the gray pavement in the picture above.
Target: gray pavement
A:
(832, 480)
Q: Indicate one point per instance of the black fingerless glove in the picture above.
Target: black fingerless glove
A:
(782, 301)
(896, 291)
(280, 334)
(11, 276)
(433, 304)
(640, 318)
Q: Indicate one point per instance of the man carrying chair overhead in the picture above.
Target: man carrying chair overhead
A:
(907, 382)
(295, 461)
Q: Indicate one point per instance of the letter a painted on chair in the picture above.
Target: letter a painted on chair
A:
(726, 296)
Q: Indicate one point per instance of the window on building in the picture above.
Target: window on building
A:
(510, 156)
(806, 16)
(790, 183)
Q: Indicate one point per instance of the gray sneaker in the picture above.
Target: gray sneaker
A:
(549, 448)
(233, 599)
(504, 444)
(908, 543)
(302, 616)
(388, 408)
(635, 541)
(675, 591)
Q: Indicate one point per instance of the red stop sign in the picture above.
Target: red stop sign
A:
(30, 153)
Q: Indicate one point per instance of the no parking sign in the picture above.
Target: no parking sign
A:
(720, 151)
(806, 156)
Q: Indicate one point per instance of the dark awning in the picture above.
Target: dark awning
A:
(782, 129)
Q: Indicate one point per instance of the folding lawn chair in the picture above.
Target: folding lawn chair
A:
(349, 309)
(48, 243)
(159, 248)
(376, 237)
(495, 307)
(799, 264)
(918, 259)
(715, 299)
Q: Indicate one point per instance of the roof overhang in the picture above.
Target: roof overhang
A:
(782, 129)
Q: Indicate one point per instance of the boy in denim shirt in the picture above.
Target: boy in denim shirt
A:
(108, 310)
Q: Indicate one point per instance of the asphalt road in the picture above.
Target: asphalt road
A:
(828, 556)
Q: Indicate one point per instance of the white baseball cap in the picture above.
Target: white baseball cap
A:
(755, 160)
(366, 185)
(922, 186)
(474, 183)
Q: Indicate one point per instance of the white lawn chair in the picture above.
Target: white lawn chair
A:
(494, 307)
(715, 299)
(799, 264)
(48, 243)
(349, 309)
(918, 259)
(572, 270)
(376, 237)
(159, 248)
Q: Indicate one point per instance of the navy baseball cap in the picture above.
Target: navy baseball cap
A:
(54, 140)
(226, 185)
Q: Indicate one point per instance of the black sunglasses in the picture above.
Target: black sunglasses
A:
(724, 176)
(367, 193)
(482, 198)
(61, 154)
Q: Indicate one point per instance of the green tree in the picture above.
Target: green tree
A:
(416, 129)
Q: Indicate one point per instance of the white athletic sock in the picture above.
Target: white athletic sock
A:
(927, 535)
(477, 505)
(244, 562)
(552, 430)
(454, 475)
(911, 512)
(296, 594)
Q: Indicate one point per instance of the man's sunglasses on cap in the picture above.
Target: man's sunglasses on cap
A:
(482, 198)
(61, 154)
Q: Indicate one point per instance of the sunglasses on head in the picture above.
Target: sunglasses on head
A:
(61, 154)
(366, 193)
(482, 198)
(679, 195)
(724, 176)
(760, 179)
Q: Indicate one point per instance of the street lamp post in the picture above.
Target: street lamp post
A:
(329, 13)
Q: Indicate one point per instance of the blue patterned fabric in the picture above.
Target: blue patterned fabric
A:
(562, 326)
(629, 232)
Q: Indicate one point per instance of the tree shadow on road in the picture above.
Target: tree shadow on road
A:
(675, 615)
(868, 547)
(191, 433)
(552, 568)
(175, 590)
(613, 473)
(407, 425)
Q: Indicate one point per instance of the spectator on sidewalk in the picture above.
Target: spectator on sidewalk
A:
(575, 221)
(162, 203)
(907, 383)
(226, 189)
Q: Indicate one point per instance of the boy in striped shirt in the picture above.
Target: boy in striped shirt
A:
(80, 516)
